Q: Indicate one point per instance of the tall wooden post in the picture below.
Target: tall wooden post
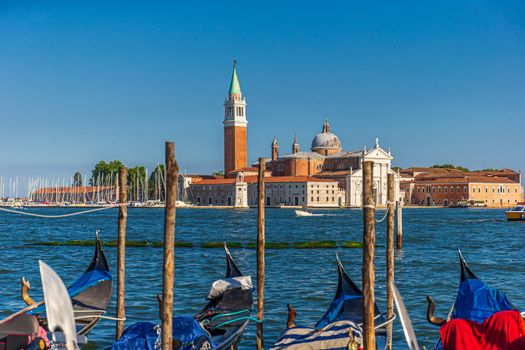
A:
(260, 254)
(121, 243)
(390, 256)
(368, 270)
(399, 234)
(172, 173)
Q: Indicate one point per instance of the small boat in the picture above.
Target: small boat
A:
(475, 301)
(517, 213)
(306, 213)
(90, 293)
(340, 327)
(90, 296)
(218, 326)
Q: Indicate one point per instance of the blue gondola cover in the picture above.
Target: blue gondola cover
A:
(476, 301)
(144, 335)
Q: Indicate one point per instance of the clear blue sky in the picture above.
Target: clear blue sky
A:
(439, 81)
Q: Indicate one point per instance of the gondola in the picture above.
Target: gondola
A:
(90, 295)
(219, 325)
(340, 326)
(475, 300)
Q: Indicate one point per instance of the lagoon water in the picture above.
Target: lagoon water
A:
(428, 263)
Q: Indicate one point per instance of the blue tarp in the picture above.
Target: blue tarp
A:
(87, 280)
(476, 301)
(144, 335)
(140, 335)
(334, 312)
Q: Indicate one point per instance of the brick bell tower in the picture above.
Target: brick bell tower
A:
(235, 127)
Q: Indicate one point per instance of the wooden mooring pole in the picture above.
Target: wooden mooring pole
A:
(399, 233)
(260, 254)
(368, 270)
(172, 173)
(121, 248)
(390, 256)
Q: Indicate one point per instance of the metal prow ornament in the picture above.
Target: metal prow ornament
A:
(291, 316)
(438, 321)
(24, 292)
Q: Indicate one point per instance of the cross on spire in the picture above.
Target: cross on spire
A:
(326, 125)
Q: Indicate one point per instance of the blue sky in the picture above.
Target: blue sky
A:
(437, 82)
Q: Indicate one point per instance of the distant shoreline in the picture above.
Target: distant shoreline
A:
(222, 207)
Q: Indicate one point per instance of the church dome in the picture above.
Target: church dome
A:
(326, 141)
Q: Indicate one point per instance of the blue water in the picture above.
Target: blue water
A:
(428, 263)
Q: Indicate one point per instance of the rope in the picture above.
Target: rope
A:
(101, 317)
(237, 319)
(388, 205)
(58, 216)
(386, 322)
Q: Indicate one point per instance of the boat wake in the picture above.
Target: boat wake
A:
(304, 213)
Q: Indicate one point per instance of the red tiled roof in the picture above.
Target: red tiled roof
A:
(295, 179)
(465, 179)
(270, 179)
(490, 179)
(73, 189)
(218, 181)
(441, 180)
(334, 173)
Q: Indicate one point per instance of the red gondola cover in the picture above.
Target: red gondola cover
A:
(505, 330)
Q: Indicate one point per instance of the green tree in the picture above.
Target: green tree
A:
(137, 182)
(156, 182)
(450, 166)
(105, 173)
(219, 173)
(77, 179)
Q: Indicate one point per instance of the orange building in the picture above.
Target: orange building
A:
(452, 187)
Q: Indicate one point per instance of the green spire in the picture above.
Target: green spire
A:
(235, 87)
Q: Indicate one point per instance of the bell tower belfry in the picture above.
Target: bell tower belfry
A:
(235, 127)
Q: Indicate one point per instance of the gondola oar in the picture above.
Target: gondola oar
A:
(410, 335)
(59, 309)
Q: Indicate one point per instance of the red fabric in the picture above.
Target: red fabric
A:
(505, 330)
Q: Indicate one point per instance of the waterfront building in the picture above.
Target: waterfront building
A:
(327, 160)
(241, 192)
(324, 176)
(446, 187)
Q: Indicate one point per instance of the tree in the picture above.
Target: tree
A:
(156, 182)
(137, 182)
(77, 179)
(218, 173)
(450, 166)
(105, 173)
